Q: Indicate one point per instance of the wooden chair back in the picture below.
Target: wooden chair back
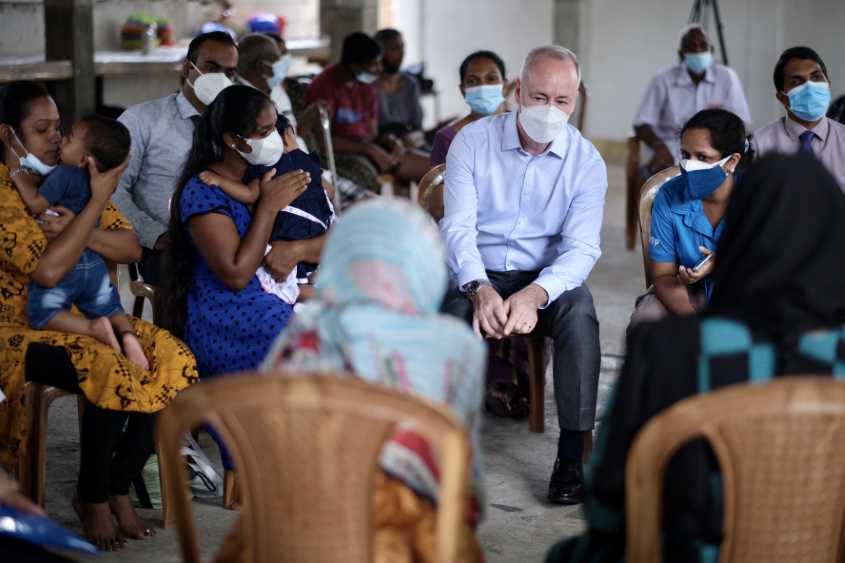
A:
(579, 120)
(780, 451)
(430, 196)
(306, 449)
(649, 192)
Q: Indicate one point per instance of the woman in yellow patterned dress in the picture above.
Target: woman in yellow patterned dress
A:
(121, 399)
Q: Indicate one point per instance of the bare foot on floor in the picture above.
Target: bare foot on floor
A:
(134, 352)
(98, 525)
(102, 330)
(131, 525)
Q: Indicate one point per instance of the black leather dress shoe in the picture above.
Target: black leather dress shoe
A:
(567, 483)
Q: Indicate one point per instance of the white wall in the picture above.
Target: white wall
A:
(623, 44)
(443, 32)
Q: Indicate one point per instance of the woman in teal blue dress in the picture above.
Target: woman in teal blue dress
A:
(778, 308)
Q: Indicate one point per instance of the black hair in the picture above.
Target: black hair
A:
(726, 129)
(358, 49)
(382, 36)
(274, 36)
(794, 53)
(235, 111)
(490, 55)
(202, 38)
(15, 100)
(107, 140)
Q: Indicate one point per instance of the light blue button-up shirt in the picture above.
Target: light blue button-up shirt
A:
(506, 209)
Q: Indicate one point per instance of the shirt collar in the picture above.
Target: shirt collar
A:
(683, 78)
(794, 129)
(510, 138)
(186, 109)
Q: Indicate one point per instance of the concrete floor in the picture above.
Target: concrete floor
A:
(520, 525)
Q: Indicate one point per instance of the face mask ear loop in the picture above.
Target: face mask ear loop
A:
(19, 142)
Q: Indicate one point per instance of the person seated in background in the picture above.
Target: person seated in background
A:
(677, 93)
(686, 216)
(306, 218)
(482, 85)
(399, 111)
(382, 279)
(162, 132)
(262, 66)
(803, 87)
(93, 142)
(348, 88)
(778, 308)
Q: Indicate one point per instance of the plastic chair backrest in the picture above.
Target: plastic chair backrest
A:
(782, 461)
(431, 191)
(648, 193)
(306, 449)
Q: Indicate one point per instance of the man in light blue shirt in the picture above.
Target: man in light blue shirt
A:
(524, 200)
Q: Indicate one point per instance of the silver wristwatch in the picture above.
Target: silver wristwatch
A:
(471, 288)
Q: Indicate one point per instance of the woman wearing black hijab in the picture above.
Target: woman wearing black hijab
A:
(779, 276)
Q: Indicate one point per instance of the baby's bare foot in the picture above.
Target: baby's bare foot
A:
(130, 524)
(102, 330)
(133, 350)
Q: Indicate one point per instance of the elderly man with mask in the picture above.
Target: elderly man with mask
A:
(524, 199)
(264, 63)
(162, 133)
(803, 87)
(681, 91)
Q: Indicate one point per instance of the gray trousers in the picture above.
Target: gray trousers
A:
(572, 323)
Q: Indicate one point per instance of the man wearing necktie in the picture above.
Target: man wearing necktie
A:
(802, 85)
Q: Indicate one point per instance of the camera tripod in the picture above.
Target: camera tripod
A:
(697, 15)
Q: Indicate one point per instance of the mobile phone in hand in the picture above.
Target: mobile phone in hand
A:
(702, 263)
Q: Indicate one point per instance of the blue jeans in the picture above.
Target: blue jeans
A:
(87, 286)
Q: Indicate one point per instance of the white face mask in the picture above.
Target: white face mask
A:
(208, 85)
(542, 123)
(366, 77)
(30, 161)
(690, 165)
(266, 151)
(280, 70)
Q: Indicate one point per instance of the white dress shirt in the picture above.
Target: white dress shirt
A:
(506, 209)
(673, 98)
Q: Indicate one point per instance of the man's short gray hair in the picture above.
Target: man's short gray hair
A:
(253, 48)
(549, 51)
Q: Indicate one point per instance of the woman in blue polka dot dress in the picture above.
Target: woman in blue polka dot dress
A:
(214, 298)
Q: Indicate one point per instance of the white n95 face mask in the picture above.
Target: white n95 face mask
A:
(208, 85)
(266, 151)
(542, 123)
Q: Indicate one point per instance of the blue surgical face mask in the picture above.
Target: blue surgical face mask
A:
(698, 62)
(484, 99)
(810, 100)
(30, 161)
(280, 70)
(701, 178)
(366, 77)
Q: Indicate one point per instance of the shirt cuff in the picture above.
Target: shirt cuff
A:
(553, 286)
(471, 272)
